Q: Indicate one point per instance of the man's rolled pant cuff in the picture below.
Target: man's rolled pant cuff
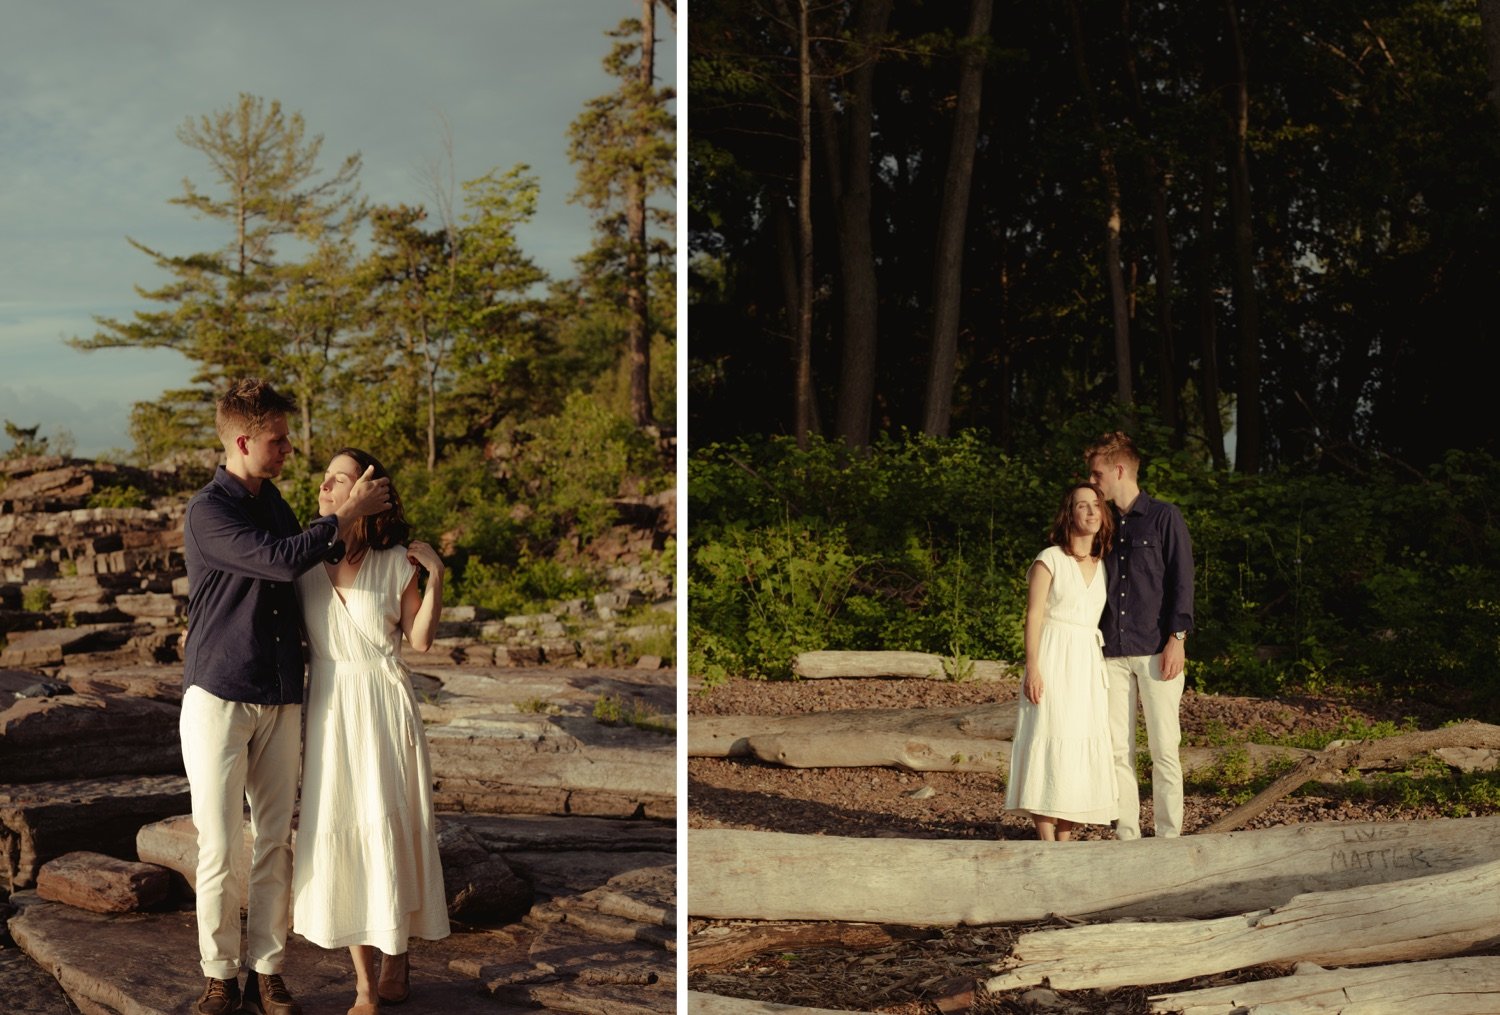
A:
(220, 970)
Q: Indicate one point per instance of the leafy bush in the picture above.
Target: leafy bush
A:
(1382, 583)
(36, 599)
(122, 496)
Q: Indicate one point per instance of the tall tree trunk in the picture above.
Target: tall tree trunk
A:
(1208, 330)
(947, 273)
(856, 243)
(1489, 23)
(1248, 449)
(1113, 218)
(637, 304)
(804, 389)
(787, 267)
(1171, 413)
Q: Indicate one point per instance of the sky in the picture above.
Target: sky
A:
(93, 92)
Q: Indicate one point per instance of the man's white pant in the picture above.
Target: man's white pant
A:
(1133, 678)
(233, 751)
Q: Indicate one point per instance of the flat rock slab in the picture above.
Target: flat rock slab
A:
(505, 763)
(28, 988)
(147, 964)
(42, 648)
(469, 690)
(160, 682)
(607, 951)
(79, 736)
(43, 820)
(103, 884)
(502, 833)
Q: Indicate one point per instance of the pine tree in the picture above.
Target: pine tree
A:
(623, 144)
(246, 307)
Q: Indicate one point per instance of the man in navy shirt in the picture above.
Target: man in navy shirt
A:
(1147, 617)
(242, 688)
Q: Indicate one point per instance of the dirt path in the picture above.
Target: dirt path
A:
(907, 977)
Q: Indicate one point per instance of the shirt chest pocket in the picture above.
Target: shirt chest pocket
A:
(1144, 549)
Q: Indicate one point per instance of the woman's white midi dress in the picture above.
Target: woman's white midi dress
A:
(1061, 762)
(365, 868)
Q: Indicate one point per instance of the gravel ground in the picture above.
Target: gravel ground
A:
(908, 976)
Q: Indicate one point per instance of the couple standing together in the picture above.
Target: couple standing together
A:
(366, 871)
(1108, 610)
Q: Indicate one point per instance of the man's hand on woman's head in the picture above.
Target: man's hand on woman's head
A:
(368, 495)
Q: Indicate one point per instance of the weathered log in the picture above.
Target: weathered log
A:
(1387, 752)
(720, 945)
(961, 739)
(741, 875)
(1421, 918)
(919, 665)
(1465, 986)
(968, 738)
(700, 1003)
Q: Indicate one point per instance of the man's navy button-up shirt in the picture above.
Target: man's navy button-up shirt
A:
(1150, 579)
(244, 551)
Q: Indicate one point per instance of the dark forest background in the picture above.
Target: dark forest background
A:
(935, 247)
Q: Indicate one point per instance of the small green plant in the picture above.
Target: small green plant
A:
(613, 711)
(538, 706)
(36, 599)
(123, 496)
(958, 668)
(69, 568)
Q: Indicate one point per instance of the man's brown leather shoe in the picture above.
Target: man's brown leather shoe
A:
(265, 994)
(220, 997)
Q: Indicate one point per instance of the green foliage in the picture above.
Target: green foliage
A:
(530, 585)
(576, 461)
(121, 496)
(1301, 581)
(36, 599)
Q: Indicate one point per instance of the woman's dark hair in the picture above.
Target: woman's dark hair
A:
(387, 529)
(1062, 525)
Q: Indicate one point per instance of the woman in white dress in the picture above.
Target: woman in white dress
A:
(366, 871)
(1061, 764)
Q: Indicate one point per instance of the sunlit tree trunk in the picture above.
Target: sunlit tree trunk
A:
(1208, 330)
(804, 387)
(638, 339)
(1248, 449)
(953, 214)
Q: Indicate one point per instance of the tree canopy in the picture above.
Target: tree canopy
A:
(1278, 217)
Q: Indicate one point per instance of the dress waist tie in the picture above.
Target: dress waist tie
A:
(1098, 640)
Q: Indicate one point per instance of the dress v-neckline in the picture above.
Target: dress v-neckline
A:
(353, 582)
(1088, 582)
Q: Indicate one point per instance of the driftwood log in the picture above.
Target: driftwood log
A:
(961, 739)
(967, 738)
(699, 1003)
(918, 665)
(1388, 752)
(1428, 917)
(742, 875)
(1466, 986)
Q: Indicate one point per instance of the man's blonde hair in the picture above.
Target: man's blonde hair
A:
(1115, 448)
(246, 407)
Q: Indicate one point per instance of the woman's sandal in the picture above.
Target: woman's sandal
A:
(389, 996)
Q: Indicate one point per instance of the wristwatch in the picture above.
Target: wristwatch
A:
(1180, 635)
